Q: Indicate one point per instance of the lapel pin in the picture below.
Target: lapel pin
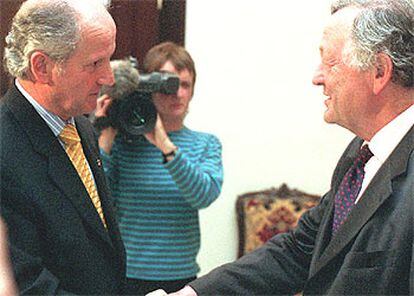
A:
(99, 162)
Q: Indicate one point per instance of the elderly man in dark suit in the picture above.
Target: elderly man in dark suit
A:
(63, 236)
(360, 239)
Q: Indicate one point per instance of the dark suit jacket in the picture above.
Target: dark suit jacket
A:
(372, 253)
(58, 243)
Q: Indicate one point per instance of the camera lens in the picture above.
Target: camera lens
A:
(137, 114)
(136, 117)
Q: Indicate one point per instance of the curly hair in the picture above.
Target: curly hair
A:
(48, 26)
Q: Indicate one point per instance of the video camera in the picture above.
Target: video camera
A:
(134, 113)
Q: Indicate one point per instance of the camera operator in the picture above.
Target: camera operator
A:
(161, 179)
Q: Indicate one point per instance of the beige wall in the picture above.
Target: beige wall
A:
(255, 61)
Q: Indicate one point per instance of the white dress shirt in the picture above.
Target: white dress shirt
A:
(384, 142)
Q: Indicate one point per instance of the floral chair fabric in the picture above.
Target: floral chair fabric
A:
(263, 214)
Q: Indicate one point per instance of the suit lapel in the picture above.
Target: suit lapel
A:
(92, 154)
(374, 196)
(376, 193)
(326, 224)
(60, 168)
(64, 175)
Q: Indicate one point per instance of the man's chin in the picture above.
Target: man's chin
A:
(89, 109)
(328, 117)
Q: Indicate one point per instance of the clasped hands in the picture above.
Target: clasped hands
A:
(186, 291)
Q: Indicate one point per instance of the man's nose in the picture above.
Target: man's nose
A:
(318, 78)
(107, 76)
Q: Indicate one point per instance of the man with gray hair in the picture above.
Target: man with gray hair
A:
(360, 239)
(62, 230)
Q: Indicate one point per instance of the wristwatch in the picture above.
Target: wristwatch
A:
(168, 156)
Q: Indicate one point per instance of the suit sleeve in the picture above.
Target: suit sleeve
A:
(279, 267)
(24, 243)
(411, 284)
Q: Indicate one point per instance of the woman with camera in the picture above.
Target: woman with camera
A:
(161, 179)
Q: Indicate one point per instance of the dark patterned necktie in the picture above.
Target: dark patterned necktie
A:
(349, 188)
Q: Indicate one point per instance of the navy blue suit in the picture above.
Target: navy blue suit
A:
(58, 242)
(372, 253)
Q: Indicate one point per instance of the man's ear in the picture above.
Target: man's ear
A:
(383, 72)
(41, 66)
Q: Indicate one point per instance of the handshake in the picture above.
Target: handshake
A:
(186, 291)
(159, 292)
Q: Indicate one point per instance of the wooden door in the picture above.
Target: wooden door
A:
(141, 24)
(7, 10)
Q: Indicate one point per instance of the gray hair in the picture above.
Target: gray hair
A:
(339, 4)
(383, 26)
(51, 27)
(126, 79)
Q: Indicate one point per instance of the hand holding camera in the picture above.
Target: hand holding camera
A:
(159, 138)
(134, 113)
(108, 133)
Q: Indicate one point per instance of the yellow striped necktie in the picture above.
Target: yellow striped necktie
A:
(74, 150)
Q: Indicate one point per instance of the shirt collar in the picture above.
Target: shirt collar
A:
(55, 123)
(386, 139)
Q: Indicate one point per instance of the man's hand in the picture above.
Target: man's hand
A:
(186, 291)
(158, 292)
(7, 284)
